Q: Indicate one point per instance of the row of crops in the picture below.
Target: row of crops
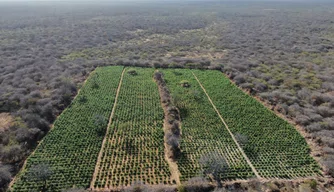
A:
(273, 146)
(134, 147)
(203, 133)
(134, 151)
(70, 150)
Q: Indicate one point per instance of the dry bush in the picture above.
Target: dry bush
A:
(198, 184)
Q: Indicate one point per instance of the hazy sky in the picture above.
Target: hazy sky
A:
(134, 0)
(119, 1)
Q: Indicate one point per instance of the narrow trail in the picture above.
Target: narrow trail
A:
(221, 118)
(105, 136)
(174, 169)
(175, 173)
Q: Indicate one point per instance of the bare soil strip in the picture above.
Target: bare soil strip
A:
(175, 173)
(241, 150)
(105, 136)
(174, 169)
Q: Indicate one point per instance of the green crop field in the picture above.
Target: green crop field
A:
(274, 146)
(203, 132)
(71, 148)
(134, 150)
(91, 147)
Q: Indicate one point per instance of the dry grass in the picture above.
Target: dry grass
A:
(5, 121)
(197, 55)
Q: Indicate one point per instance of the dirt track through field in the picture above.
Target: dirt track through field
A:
(221, 118)
(175, 173)
(105, 136)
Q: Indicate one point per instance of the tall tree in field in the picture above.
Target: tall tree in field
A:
(40, 173)
(214, 165)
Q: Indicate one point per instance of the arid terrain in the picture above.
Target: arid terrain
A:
(173, 114)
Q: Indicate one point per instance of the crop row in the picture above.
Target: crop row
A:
(273, 146)
(71, 148)
(203, 133)
(134, 151)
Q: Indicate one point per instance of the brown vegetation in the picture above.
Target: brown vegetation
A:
(5, 121)
(283, 55)
(172, 121)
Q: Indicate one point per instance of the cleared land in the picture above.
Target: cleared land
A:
(217, 120)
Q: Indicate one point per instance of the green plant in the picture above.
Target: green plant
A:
(136, 135)
(72, 146)
(181, 188)
(185, 83)
(202, 130)
(313, 183)
(132, 72)
(268, 136)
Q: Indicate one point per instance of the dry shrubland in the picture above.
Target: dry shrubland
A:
(283, 55)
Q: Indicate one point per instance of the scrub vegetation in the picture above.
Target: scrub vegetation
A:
(282, 53)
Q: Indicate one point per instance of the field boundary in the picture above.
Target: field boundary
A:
(175, 173)
(24, 165)
(107, 130)
(311, 142)
(222, 119)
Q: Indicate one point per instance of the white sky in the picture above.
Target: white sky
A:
(130, 0)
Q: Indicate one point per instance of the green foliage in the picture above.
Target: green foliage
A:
(202, 130)
(100, 121)
(181, 188)
(82, 99)
(95, 81)
(269, 138)
(197, 95)
(132, 72)
(136, 150)
(40, 173)
(185, 83)
(313, 183)
(71, 148)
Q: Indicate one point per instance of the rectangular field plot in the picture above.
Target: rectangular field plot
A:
(134, 148)
(203, 133)
(274, 147)
(71, 148)
(218, 121)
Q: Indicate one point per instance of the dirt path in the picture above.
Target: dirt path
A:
(174, 169)
(105, 136)
(241, 150)
(175, 173)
